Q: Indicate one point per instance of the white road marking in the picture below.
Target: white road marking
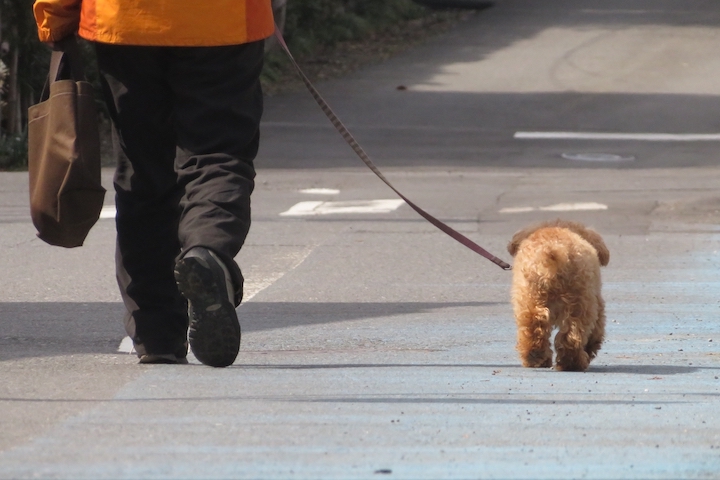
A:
(126, 346)
(560, 207)
(285, 263)
(517, 209)
(320, 191)
(108, 212)
(302, 208)
(597, 157)
(644, 137)
(289, 262)
(567, 207)
(327, 208)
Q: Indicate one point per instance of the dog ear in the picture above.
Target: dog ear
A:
(514, 244)
(596, 241)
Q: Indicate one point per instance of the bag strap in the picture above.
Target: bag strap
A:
(66, 63)
(347, 136)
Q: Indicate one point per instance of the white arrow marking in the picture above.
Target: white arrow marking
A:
(255, 282)
(328, 208)
(302, 208)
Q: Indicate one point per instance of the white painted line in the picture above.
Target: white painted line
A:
(108, 212)
(644, 137)
(328, 208)
(126, 346)
(597, 157)
(288, 262)
(560, 207)
(569, 207)
(320, 191)
(517, 209)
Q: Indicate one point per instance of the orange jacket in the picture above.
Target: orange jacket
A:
(156, 22)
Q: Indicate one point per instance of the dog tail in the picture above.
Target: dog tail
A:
(550, 263)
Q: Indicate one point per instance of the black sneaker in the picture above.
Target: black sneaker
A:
(214, 327)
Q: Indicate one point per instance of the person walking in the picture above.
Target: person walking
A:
(181, 83)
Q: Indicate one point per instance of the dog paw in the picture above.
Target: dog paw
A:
(537, 359)
(578, 363)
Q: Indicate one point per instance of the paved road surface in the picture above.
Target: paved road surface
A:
(376, 347)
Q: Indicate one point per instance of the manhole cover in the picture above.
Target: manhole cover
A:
(597, 157)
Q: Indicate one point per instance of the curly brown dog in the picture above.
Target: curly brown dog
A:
(556, 283)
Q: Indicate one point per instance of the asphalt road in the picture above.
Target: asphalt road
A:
(373, 345)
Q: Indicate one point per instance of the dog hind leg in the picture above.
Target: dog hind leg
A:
(533, 338)
(598, 334)
(570, 348)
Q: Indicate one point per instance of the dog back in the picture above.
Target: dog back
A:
(557, 258)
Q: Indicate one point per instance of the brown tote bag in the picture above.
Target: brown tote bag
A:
(66, 195)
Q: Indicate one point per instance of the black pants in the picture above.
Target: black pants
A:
(187, 119)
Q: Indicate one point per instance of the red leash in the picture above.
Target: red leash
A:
(364, 157)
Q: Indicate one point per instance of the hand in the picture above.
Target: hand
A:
(57, 45)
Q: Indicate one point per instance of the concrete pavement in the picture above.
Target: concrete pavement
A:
(376, 347)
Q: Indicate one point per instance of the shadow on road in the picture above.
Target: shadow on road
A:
(477, 130)
(38, 329)
(258, 316)
(623, 369)
(63, 328)
(462, 97)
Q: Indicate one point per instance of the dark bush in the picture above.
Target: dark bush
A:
(13, 152)
(312, 23)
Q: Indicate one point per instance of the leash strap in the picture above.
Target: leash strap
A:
(347, 136)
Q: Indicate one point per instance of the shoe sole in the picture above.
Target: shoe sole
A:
(150, 359)
(214, 331)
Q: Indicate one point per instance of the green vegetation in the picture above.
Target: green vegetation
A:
(314, 23)
(330, 38)
(23, 68)
(13, 151)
